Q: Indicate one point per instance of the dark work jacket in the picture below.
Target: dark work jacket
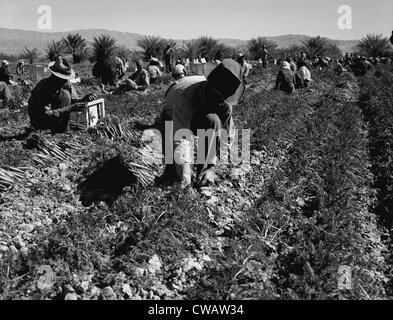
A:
(285, 81)
(5, 75)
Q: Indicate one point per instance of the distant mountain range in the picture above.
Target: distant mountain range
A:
(12, 41)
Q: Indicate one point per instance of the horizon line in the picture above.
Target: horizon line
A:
(177, 39)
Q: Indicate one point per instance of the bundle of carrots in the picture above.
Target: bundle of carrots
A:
(112, 130)
(143, 173)
(49, 151)
(145, 164)
(9, 177)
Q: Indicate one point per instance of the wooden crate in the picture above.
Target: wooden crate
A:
(36, 72)
(197, 68)
(94, 111)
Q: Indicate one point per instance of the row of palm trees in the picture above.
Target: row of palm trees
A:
(205, 46)
(73, 44)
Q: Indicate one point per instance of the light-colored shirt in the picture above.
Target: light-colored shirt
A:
(179, 69)
(304, 74)
(245, 69)
(154, 71)
(186, 97)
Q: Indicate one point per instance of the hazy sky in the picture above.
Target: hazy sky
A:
(181, 19)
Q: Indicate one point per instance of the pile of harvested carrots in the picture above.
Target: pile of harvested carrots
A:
(9, 176)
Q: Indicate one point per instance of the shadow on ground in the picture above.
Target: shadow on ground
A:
(106, 183)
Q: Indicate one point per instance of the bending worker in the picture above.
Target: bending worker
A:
(199, 102)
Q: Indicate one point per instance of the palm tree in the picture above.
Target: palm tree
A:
(75, 45)
(30, 54)
(292, 51)
(207, 46)
(316, 46)
(136, 55)
(374, 45)
(151, 46)
(222, 51)
(190, 49)
(54, 49)
(103, 47)
(334, 51)
(123, 51)
(255, 47)
(82, 53)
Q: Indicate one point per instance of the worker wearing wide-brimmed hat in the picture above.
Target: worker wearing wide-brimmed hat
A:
(200, 102)
(54, 98)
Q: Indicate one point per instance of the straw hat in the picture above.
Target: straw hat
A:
(62, 69)
(226, 78)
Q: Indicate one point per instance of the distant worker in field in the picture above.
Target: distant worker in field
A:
(320, 62)
(5, 95)
(302, 76)
(339, 67)
(241, 59)
(187, 65)
(303, 56)
(348, 59)
(54, 98)
(179, 70)
(20, 67)
(167, 58)
(110, 72)
(369, 65)
(285, 78)
(217, 58)
(199, 102)
(292, 64)
(359, 67)
(154, 70)
(5, 75)
(155, 62)
(259, 63)
(138, 81)
(265, 56)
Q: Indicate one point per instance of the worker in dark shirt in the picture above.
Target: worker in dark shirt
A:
(265, 56)
(285, 78)
(359, 67)
(5, 94)
(110, 72)
(5, 72)
(167, 58)
(54, 98)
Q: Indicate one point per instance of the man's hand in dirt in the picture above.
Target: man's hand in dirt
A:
(207, 177)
